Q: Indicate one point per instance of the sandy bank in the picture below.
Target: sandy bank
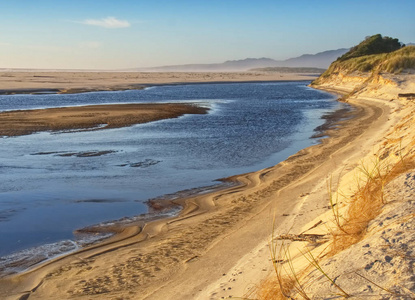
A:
(93, 117)
(18, 82)
(364, 241)
(213, 248)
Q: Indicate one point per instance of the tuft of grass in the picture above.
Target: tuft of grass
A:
(366, 204)
(289, 282)
(335, 204)
(292, 276)
(285, 283)
(363, 206)
(274, 289)
(314, 262)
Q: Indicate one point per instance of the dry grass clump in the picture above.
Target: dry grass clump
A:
(364, 206)
(273, 289)
(367, 203)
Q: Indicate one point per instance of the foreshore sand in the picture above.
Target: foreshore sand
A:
(217, 247)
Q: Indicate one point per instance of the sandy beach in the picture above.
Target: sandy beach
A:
(218, 246)
(32, 82)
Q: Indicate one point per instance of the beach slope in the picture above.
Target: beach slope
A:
(362, 246)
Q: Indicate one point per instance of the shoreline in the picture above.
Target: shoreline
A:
(131, 87)
(22, 118)
(156, 205)
(199, 209)
(20, 82)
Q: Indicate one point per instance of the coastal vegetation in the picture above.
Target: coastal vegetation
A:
(375, 44)
(374, 55)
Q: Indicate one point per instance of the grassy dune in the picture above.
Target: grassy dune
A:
(399, 61)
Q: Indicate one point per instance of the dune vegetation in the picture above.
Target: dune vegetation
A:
(375, 54)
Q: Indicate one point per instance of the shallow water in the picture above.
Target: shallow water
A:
(48, 188)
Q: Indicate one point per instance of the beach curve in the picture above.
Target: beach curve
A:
(203, 225)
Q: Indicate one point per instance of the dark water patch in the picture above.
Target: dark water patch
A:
(99, 201)
(7, 214)
(76, 154)
(87, 153)
(141, 164)
(47, 153)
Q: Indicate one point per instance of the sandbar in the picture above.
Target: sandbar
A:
(91, 117)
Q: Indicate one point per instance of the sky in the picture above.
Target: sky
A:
(122, 34)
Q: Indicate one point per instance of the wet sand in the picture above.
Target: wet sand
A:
(92, 117)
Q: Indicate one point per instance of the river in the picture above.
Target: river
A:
(48, 188)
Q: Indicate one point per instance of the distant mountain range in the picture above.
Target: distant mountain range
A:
(319, 60)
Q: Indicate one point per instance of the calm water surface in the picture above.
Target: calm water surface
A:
(48, 188)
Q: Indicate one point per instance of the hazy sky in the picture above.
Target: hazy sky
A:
(103, 34)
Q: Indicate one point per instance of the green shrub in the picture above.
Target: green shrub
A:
(375, 44)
